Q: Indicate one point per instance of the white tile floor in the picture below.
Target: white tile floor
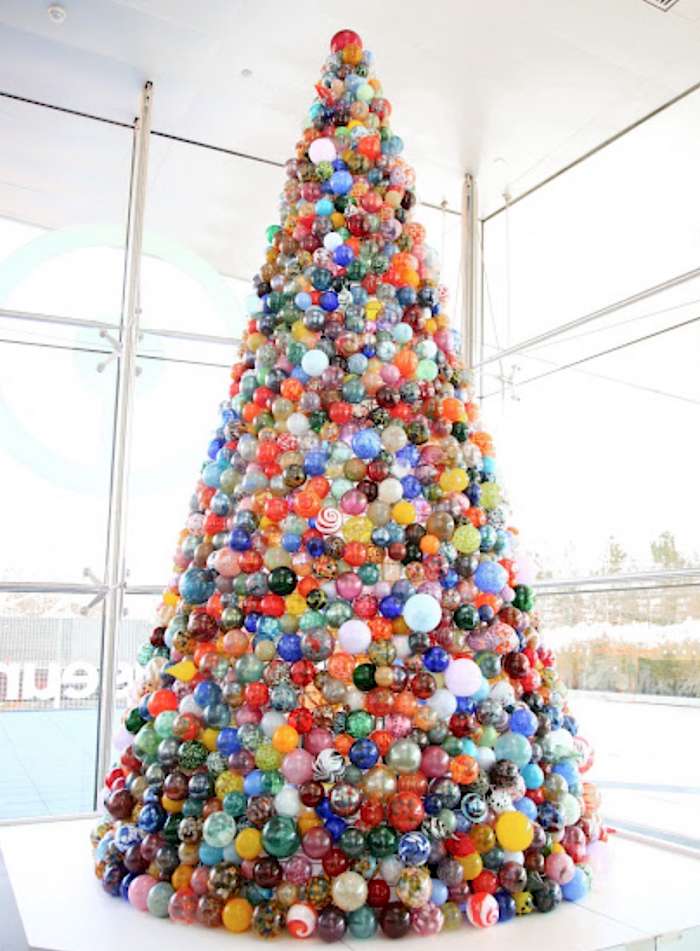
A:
(645, 899)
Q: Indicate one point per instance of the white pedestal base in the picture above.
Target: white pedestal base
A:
(645, 899)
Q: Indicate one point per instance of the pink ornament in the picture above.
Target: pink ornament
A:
(316, 842)
(248, 714)
(390, 374)
(199, 883)
(297, 869)
(427, 920)
(348, 585)
(463, 677)
(354, 636)
(226, 562)
(353, 502)
(316, 740)
(138, 891)
(435, 762)
(398, 724)
(297, 766)
(559, 867)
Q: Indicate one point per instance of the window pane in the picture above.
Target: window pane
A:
(63, 210)
(175, 413)
(56, 413)
(599, 460)
(622, 220)
(205, 222)
(48, 704)
(621, 648)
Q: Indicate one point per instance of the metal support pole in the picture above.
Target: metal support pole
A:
(469, 263)
(115, 567)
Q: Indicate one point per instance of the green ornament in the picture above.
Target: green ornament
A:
(158, 898)
(235, 803)
(192, 755)
(382, 841)
(134, 721)
(368, 573)
(352, 842)
(192, 808)
(360, 723)
(362, 923)
(280, 837)
(489, 664)
(466, 616)
(171, 827)
(524, 598)
(363, 677)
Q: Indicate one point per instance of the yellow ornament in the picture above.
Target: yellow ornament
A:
(248, 843)
(226, 783)
(358, 528)
(454, 480)
(209, 737)
(472, 864)
(237, 915)
(467, 539)
(514, 831)
(184, 670)
(404, 513)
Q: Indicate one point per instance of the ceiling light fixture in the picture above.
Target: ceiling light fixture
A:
(662, 5)
(57, 13)
(246, 73)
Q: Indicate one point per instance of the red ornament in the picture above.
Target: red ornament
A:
(345, 38)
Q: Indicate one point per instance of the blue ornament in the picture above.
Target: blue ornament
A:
(340, 182)
(289, 648)
(533, 775)
(206, 693)
(152, 817)
(366, 444)
(439, 892)
(414, 848)
(523, 720)
(210, 854)
(422, 613)
(253, 783)
(436, 659)
(364, 753)
(227, 741)
(506, 906)
(196, 585)
(577, 888)
(527, 807)
(490, 577)
(343, 255)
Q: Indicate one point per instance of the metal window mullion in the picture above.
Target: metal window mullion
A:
(115, 567)
(469, 261)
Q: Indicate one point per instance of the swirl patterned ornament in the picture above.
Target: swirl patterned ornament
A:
(347, 721)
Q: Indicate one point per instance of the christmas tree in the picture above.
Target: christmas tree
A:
(347, 720)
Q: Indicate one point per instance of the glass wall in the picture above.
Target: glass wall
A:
(590, 337)
(63, 212)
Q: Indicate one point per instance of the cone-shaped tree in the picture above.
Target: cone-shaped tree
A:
(347, 719)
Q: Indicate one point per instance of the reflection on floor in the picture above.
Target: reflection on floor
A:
(48, 762)
(645, 764)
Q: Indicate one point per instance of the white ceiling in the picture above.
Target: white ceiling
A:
(507, 89)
